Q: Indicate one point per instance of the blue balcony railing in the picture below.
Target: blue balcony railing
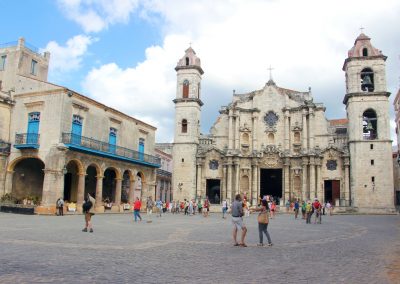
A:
(100, 148)
(5, 148)
(27, 140)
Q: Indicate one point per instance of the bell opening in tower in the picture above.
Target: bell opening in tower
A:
(271, 183)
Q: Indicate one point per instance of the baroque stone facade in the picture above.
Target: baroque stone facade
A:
(276, 141)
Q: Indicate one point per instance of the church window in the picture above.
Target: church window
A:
(271, 138)
(367, 80)
(185, 93)
(187, 61)
(372, 162)
(365, 51)
(184, 126)
(373, 179)
(34, 67)
(198, 90)
(369, 124)
(183, 160)
(371, 146)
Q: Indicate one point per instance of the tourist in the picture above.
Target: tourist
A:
(308, 212)
(199, 206)
(159, 205)
(273, 209)
(60, 206)
(88, 209)
(329, 207)
(303, 209)
(136, 209)
(317, 210)
(296, 208)
(237, 221)
(149, 206)
(190, 207)
(287, 206)
(247, 213)
(206, 207)
(224, 208)
(263, 221)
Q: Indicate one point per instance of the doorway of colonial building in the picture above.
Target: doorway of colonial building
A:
(213, 191)
(271, 183)
(109, 184)
(71, 182)
(332, 190)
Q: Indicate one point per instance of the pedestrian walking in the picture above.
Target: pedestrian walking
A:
(60, 206)
(136, 209)
(317, 210)
(206, 207)
(237, 221)
(308, 212)
(329, 207)
(159, 206)
(287, 206)
(303, 209)
(88, 209)
(149, 206)
(263, 221)
(224, 208)
(296, 208)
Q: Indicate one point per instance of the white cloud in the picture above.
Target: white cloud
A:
(145, 91)
(305, 41)
(69, 57)
(96, 15)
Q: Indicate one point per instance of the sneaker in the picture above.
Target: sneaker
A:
(260, 245)
(91, 230)
(270, 244)
(243, 245)
(84, 230)
(236, 245)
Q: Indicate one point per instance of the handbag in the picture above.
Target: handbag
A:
(262, 218)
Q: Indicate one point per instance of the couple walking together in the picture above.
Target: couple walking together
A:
(237, 221)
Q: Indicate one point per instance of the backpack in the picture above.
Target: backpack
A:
(86, 206)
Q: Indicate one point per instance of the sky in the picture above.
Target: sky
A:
(123, 52)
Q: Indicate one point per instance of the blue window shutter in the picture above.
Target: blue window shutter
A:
(112, 139)
(33, 128)
(141, 148)
(76, 130)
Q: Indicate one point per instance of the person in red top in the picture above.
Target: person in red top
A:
(317, 210)
(136, 209)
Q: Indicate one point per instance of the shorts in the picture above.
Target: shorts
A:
(238, 223)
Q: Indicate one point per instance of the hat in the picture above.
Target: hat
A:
(315, 199)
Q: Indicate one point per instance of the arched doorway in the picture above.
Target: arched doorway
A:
(138, 185)
(91, 181)
(71, 180)
(126, 184)
(109, 185)
(28, 180)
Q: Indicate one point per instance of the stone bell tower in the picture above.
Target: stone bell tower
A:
(370, 146)
(187, 125)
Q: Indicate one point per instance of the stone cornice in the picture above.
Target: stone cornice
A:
(364, 94)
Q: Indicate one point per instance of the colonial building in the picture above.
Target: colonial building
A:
(396, 155)
(277, 141)
(64, 144)
(164, 175)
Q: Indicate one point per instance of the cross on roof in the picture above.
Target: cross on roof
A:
(270, 72)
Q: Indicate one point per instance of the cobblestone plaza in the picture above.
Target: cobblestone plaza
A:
(194, 249)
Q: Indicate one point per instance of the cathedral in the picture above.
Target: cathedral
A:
(277, 141)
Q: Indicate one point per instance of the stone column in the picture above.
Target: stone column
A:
(132, 190)
(230, 131)
(286, 185)
(99, 194)
(81, 191)
(199, 190)
(224, 179)
(320, 194)
(311, 123)
(313, 192)
(304, 130)
(346, 195)
(304, 190)
(254, 130)
(237, 177)
(229, 183)
(3, 172)
(118, 189)
(254, 194)
(287, 131)
(8, 182)
(237, 124)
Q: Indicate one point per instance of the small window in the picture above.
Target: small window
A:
(365, 51)
(184, 126)
(185, 91)
(34, 67)
(187, 61)
(372, 179)
(367, 80)
(76, 119)
(113, 131)
(34, 116)
(3, 62)
(369, 124)
(183, 160)
(371, 146)
(372, 162)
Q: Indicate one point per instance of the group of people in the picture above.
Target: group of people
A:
(189, 207)
(309, 208)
